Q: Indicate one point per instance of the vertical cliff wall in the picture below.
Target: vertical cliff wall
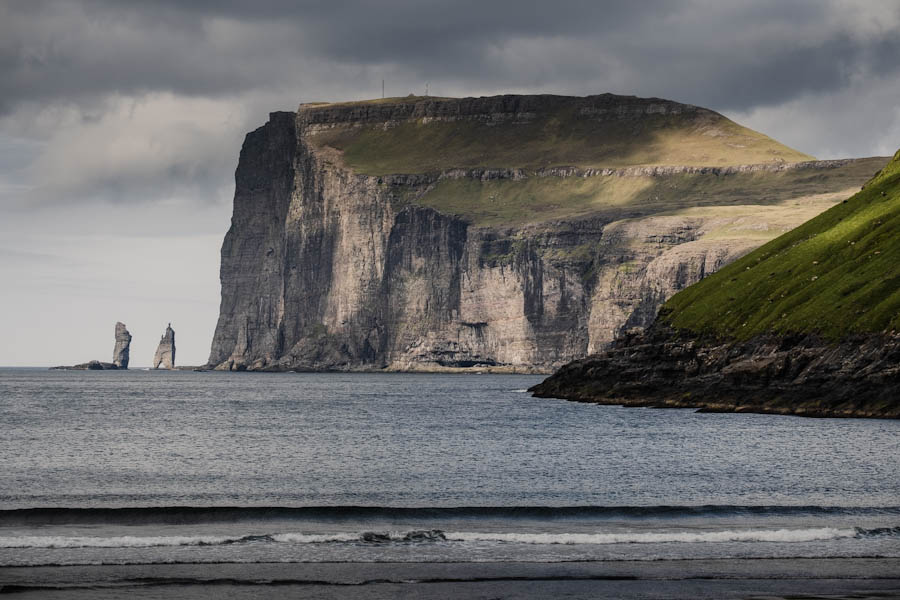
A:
(325, 267)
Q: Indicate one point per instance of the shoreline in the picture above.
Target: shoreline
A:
(673, 579)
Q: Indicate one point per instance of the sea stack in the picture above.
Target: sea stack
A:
(165, 352)
(123, 345)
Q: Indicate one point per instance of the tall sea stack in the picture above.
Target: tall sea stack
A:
(165, 352)
(123, 344)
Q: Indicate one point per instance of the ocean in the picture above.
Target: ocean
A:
(359, 478)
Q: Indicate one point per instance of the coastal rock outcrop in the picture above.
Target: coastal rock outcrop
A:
(331, 264)
(165, 351)
(122, 348)
(802, 375)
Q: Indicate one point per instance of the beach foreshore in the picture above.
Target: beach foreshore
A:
(672, 579)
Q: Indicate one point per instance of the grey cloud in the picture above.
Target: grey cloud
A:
(199, 74)
(212, 48)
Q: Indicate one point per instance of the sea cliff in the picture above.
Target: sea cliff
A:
(368, 236)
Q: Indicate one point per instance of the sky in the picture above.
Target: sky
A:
(121, 120)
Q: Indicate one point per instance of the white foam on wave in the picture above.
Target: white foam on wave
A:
(747, 535)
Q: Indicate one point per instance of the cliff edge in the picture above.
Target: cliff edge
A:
(808, 324)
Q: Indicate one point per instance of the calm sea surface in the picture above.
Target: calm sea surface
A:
(144, 467)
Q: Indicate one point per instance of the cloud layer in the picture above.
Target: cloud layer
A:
(133, 101)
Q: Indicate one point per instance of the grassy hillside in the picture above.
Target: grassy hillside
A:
(837, 274)
(536, 199)
(562, 136)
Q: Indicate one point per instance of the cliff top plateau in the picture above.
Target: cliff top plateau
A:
(424, 134)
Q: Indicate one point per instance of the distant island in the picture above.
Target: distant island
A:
(505, 233)
(808, 324)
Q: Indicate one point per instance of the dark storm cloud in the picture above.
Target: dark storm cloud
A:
(129, 100)
(729, 55)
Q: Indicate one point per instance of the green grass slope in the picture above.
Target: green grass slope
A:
(559, 136)
(836, 275)
(536, 199)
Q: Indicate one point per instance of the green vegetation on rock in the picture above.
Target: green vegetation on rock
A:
(835, 275)
(561, 136)
(498, 202)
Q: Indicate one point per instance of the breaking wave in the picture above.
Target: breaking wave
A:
(436, 535)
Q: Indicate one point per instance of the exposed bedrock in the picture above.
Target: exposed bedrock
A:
(781, 374)
(123, 344)
(324, 268)
(165, 351)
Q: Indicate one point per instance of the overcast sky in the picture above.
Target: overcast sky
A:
(121, 121)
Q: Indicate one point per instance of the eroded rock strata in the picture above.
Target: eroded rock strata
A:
(781, 374)
(325, 268)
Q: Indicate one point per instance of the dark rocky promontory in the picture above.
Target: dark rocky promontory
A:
(802, 375)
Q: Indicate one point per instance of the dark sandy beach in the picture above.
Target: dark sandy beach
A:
(697, 579)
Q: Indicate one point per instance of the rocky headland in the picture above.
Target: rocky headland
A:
(808, 324)
(510, 233)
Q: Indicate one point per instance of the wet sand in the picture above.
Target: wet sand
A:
(678, 579)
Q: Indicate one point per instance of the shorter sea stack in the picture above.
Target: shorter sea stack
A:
(123, 344)
(165, 352)
(808, 324)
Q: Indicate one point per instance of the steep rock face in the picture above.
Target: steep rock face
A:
(123, 345)
(326, 268)
(165, 351)
(799, 374)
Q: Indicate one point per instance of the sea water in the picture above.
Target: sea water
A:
(148, 467)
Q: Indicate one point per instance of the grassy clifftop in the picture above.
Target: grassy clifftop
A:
(835, 275)
(535, 132)
(536, 199)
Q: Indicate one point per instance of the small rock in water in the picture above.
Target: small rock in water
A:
(427, 535)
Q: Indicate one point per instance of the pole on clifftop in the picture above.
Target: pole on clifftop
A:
(382, 89)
